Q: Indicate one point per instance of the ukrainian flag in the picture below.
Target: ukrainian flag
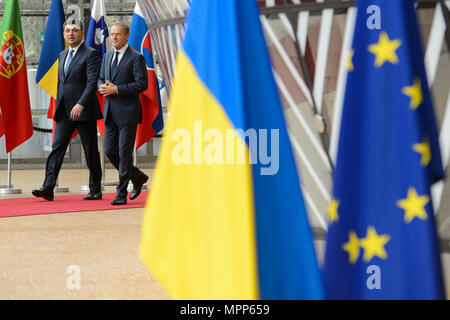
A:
(47, 73)
(217, 225)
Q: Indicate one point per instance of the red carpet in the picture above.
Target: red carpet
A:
(33, 206)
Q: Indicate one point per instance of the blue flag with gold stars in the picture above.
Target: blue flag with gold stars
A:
(382, 240)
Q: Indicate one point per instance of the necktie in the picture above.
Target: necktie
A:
(115, 62)
(69, 60)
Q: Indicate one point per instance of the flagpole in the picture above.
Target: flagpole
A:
(59, 189)
(85, 188)
(103, 164)
(3, 186)
(130, 186)
(102, 161)
(9, 187)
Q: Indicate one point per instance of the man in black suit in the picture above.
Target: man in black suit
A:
(76, 109)
(122, 77)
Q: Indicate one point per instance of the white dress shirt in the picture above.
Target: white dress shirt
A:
(75, 50)
(121, 53)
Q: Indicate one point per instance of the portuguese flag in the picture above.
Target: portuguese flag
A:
(14, 98)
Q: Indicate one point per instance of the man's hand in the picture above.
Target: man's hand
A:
(108, 89)
(75, 114)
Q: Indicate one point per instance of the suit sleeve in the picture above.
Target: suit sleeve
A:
(92, 73)
(140, 83)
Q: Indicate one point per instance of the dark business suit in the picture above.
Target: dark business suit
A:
(77, 86)
(123, 112)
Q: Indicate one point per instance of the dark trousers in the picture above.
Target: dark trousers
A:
(64, 130)
(119, 144)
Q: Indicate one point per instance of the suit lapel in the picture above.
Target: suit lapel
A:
(75, 59)
(108, 58)
(125, 57)
(62, 61)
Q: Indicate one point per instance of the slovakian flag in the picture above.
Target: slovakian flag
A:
(47, 73)
(152, 116)
(14, 97)
(98, 38)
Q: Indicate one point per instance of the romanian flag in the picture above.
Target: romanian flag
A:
(97, 34)
(47, 73)
(14, 98)
(152, 116)
(382, 241)
(226, 217)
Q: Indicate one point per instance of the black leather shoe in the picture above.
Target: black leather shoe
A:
(44, 192)
(119, 201)
(93, 196)
(137, 188)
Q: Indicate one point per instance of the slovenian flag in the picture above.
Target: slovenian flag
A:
(226, 217)
(98, 30)
(152, 116)
(98, 38)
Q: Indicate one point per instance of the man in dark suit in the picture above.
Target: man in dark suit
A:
(122, 77)
(76, 109)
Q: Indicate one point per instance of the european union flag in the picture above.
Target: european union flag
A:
(382, 241)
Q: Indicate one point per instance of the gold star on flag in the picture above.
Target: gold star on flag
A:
(352, 247)
(385, 50)
(373, 244)
(333, 211)
(414, 205)
(350, 65)
(425, 152)
(415, 93)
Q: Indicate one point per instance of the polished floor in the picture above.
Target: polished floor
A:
(79, 255)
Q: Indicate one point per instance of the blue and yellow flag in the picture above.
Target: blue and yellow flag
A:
(47, 73)
(152, 114)
(382, 241)
(225, 218)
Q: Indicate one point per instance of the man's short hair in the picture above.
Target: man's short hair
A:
(124, 26)
(75, 22)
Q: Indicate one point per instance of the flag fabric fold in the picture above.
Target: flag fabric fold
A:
(152, 116)
(216, 227)
(14, 100)
(47, 72)
(97, 37)
(382, 240)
